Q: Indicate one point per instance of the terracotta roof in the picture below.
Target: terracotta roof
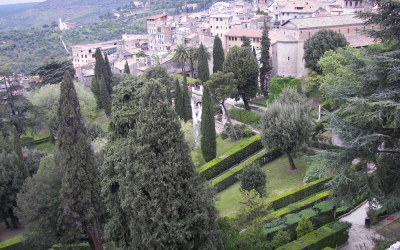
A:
(244, 32)
(155, 17)
(360, 40)
(301, 7)
(325, 21)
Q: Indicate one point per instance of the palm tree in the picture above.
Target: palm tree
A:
(192, 52)
(182, 56)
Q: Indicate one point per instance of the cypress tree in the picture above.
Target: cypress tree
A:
(208, 135)
(265, 69)
(246, 41)
(96, 90)
(105, 98)
(218, 55)
(80, 189)
(187, 107)
(108, 74)
(202, 67)
(178, 100)
(126, 68)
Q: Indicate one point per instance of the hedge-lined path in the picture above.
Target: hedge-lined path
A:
(234, 166)
(359, 235)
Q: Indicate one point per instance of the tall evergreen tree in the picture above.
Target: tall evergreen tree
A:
(243, 64)
(95, 87)
(178, 100)
(105, 98)
(187, 107)
(192, 53)
(207, 131)
(80, 190)
(126, 68)
(108, 74)
(218, 55)
(202, 67)
(245, 41)
(265, 69)
(160, 193)
(161, 74)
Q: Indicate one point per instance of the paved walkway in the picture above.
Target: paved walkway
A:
(360, 236)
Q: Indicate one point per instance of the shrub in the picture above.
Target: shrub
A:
(253, 177)
(278, 83)
(307, 213)
(234, 156)
(245, 116)
(324, 206)
(280, 238)
(94, 131)
(305, 226)
(230, 232)
(242, 131)
(330, 235)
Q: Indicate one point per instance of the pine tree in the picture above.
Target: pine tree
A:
(202, 67)
(208, 134)
(178, 100)
(154, 188)
(108, 74)
(80, 191)
(105, 98)
(265, 69)
(126, 68)
(218, 55)
(187, 107)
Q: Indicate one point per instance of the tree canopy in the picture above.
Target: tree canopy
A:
(202, 67)
(218, 55)
(322, 41)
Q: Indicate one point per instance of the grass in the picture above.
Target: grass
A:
(189, 79)
(223, 146)
(102, 120)
(279, 180)
(260, 101)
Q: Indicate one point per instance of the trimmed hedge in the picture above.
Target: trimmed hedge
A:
(230, 177)
(245, 116)
(300, 205)
(220, 164)
(299, 193)
(16, 243)
(330, 235)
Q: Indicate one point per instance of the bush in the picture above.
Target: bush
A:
(278, 83)
(280, 238)
(94, 131)
(242, 131)
(230, 177)
(330, 235)
(230, 232)
(299, 193)
(246, 117)
(232, 157)
(304, 227)
(253, 177)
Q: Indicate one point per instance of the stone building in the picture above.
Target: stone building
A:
(160, 32)
(287, 47)
(234, 38)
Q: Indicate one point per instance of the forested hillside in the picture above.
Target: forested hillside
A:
(26, 50)
(10, 9)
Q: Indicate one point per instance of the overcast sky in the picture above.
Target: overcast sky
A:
(18, 1)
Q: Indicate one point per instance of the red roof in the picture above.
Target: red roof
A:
(244, 32)
(155, 17)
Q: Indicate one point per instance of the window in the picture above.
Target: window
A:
(288, 58)
(85, 56)
(235, 38)
(348, 30)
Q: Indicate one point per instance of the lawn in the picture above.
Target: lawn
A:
(102, 120)
(260, 101)
(279, 180)
(223, 146)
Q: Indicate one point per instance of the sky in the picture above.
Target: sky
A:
(2, 2)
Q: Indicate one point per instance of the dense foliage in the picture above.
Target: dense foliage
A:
(208, 138)
(253, 177)
(218, 55)
(264, 60)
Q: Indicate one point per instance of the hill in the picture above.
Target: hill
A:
(79, 11)
(10, 9)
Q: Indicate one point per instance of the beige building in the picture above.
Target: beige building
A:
(220, 24)
(287, 46)
(160, 32)
(234, 38)
(84, 54)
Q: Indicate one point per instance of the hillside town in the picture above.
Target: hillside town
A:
(289, 22)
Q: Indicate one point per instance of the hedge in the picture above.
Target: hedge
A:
(230, 177)
(297, 206)
(220, 164)
(16, 243)
(330, 235)
(245, 116)
(299, 193)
